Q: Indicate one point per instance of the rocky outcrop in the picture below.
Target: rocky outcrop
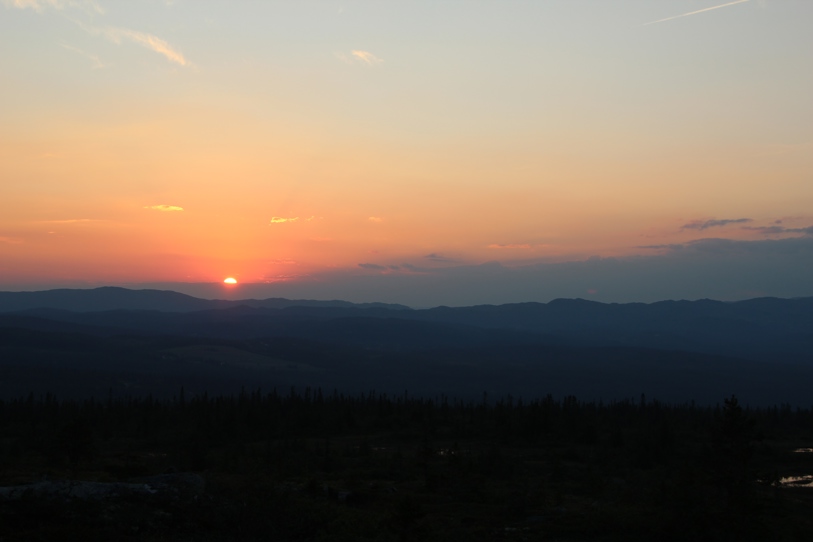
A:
(181, 486)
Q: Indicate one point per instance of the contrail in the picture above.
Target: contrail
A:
(695, 12)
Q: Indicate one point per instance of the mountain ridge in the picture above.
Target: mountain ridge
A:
(700, 350)
(107, 298)
(764, 329)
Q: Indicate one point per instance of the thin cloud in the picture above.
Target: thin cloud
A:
(343, 57)
(282, 220)
(36, 5)
(97, 63)
(73, 221)
(154, 43)
(777, 230)
(164, 208)
(672, 246)
(375, 219)
(436, 257)
(39, 6)
(704, 225)
(523, 246)
(719, 245)
(733, 246)
(373, 266)
(284, 277)
(112, 33)
(366, 57)
(695, 12)
(10, 240)
(766, 230)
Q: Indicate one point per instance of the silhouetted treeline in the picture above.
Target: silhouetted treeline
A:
(651, 430)
(322, 465)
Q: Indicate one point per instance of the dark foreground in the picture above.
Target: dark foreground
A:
(323, 466)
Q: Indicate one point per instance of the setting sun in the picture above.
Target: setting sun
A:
(230, 280)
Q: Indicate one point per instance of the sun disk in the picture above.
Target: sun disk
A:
(230, 280)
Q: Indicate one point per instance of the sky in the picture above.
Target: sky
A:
(421, 152)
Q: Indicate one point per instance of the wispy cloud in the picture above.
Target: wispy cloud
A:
(115, 34)
(343, 57)
(704, 225)
(695, 12)
(767, 230)
(39, 6)
(154, 43)
(36, 5)
(10, 240)
(436, 257)
(74, 221)
(164, 207)
(672, 246)
(97, 63)
(367, 57)
(375, 219)
(778, 230)
(387, 269)
(284, 277)
(373, 266)
(363, 57)
(523, 246)
(282, 220)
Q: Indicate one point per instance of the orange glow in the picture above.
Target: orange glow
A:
(240, 171)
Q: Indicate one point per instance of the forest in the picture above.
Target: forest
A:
(146, 415)
(320, 465)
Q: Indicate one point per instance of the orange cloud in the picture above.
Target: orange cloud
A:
(281, 220)
(164, 207)
(367, 57)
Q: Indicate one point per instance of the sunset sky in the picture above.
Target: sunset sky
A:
(420, 152)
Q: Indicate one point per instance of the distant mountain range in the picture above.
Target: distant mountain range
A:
(150, 341)
(110, 298)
